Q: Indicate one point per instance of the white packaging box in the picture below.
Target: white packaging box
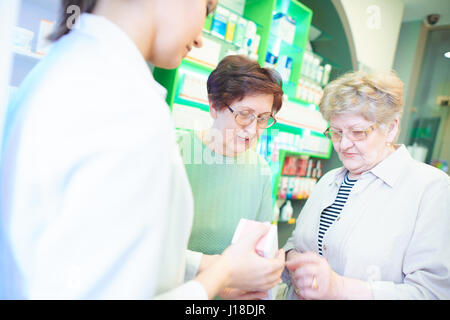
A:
(266, 247)
(284, 27)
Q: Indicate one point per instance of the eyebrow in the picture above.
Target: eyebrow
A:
(349, 127)
(245, 108)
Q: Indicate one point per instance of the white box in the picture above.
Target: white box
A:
(266, 247)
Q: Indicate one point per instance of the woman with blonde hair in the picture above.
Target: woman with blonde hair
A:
(378, 227)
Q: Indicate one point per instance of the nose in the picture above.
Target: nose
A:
(252, 127)
(345, 143)
(198, 41)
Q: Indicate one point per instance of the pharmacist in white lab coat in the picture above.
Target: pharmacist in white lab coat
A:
(94, 196)
(378, 227)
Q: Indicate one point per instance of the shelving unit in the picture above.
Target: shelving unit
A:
(31, 12)
(299, 118)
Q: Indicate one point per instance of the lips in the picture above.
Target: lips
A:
(244, 139)
(348, 155)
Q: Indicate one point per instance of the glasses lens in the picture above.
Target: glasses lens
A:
(335, 135)
(266, 121)
(244, 118)
(358, 135)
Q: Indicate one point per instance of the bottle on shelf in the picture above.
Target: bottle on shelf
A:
(231, 27)
(276, 212)
(287, 211)
(326, 74)
(239, 32)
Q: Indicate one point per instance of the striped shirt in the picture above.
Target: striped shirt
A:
(331, 213)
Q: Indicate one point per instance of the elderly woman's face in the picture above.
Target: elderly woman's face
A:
(360, 156)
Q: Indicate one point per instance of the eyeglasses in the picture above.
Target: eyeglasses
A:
(245, 118)
(353, 135)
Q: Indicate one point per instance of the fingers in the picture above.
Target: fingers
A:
(252, 238)
(302, 258)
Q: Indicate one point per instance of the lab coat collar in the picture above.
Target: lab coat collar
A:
(109, 34)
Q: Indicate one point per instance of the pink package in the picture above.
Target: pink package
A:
(267, 246)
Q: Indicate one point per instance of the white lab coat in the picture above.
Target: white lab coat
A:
(393, 231)
(95, 198)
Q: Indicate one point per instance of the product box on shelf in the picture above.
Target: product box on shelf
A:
(22, 39)
(219, 22)
(283, 27)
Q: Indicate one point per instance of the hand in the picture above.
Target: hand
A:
(312, 276)
(248, 270)
(238, 294)
(207, 261)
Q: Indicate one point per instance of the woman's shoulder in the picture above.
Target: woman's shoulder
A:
(426, 174)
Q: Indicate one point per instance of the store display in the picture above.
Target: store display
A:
(276, 212)
(271, 60)
(326, 74)
(287, 211)
(250, 35)
(209, 54)
(219, 22)
(298, 177)
(43, 43)
(313, 71)
(22, 39)
(231, 27)
(283, 27)
(239, 33)
(284, 67)
(274, 36)
(193, 87)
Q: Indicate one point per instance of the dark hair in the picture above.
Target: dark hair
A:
(237, 76)
(62, 28)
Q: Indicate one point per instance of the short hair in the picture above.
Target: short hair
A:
(376, 96)
(237, 76)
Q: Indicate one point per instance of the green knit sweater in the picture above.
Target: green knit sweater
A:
(225, 189)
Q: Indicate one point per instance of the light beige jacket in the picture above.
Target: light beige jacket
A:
(394, 230)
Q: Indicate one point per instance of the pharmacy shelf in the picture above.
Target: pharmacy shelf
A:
(282, 156)
(325, 60)
(22, 54)
(283, 48)
(23, 62)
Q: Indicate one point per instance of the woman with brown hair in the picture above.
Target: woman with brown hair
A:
(94, 196)
(229, 180)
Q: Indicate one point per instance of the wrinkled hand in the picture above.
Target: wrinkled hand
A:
(248, 270)
(312, 276)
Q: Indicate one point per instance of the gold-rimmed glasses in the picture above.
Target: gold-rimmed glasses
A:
(246, 117)
(353, 135)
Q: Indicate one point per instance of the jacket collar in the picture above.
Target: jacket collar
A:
(388, 170)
